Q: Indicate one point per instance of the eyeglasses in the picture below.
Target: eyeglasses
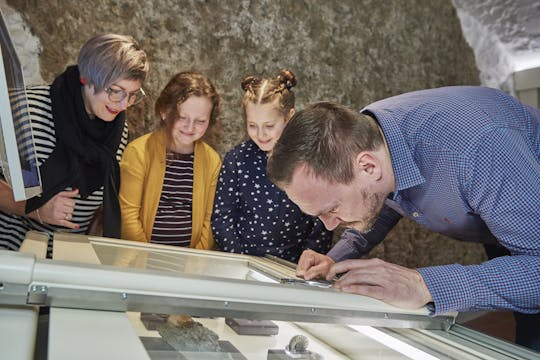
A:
(118, 95)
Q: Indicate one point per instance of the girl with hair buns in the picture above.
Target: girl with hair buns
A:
(169, 176)
(251, 215)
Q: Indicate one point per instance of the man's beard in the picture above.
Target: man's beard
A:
(374, 202)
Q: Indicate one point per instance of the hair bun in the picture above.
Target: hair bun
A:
(287, 78)
(248, 82)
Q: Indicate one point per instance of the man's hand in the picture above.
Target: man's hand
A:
(393, 284)
(313, 265)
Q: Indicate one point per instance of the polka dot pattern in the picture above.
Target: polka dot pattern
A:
(252, 216)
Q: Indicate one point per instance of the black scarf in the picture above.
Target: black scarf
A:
(85, 153)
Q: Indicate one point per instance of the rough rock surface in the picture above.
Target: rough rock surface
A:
(348, 51)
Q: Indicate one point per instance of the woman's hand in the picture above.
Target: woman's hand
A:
(59, 209)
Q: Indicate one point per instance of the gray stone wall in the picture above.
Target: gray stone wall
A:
(349, 51)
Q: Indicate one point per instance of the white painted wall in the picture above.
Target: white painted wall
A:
(504, 35)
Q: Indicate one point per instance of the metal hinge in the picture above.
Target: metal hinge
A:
(37, 295)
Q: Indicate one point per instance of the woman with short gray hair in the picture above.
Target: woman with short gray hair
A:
(80, 132)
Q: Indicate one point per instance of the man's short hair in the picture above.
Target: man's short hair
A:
(326, 137)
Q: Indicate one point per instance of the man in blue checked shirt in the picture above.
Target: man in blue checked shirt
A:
(463, 161)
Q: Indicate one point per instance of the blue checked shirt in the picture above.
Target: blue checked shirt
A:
(467, 165)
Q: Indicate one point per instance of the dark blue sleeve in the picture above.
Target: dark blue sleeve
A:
(353, 244)
(320, 239)
(225, 215)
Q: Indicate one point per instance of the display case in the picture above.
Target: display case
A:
(18, 160)
(115, 299)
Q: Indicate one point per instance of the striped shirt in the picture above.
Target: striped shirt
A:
(467, 165)
(172, 225)
(13, 228)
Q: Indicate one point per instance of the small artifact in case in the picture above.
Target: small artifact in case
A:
(252, 327)
(295, 350)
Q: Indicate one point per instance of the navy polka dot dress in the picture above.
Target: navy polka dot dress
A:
(252, 216)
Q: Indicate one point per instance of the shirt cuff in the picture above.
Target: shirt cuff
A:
(347, 246)
(451, 288)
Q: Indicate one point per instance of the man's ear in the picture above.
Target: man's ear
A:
(367, 164)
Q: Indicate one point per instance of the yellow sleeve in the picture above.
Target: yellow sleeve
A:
(206, 241)
(132, 176)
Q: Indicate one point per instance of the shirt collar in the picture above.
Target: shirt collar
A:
(406, 173)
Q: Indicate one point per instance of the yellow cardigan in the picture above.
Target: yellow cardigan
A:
(142, 172)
